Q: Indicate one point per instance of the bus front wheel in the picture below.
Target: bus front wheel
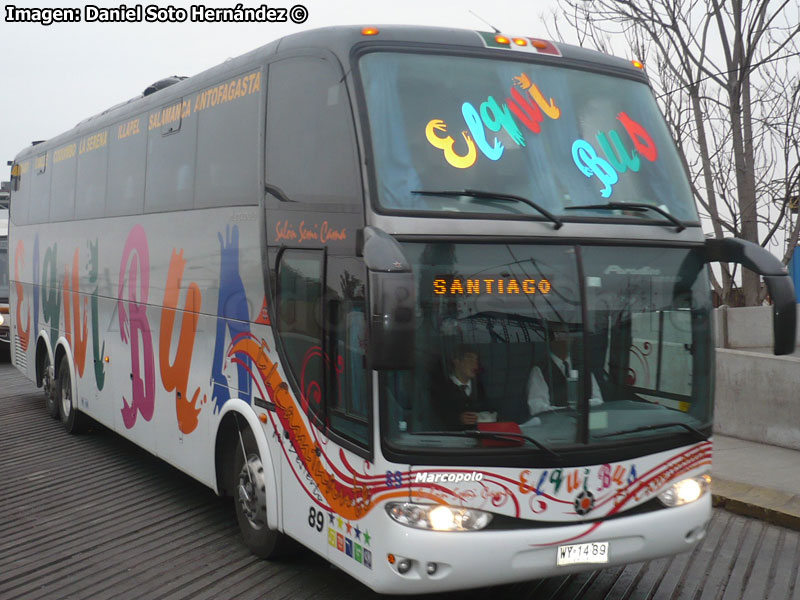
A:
(250, 499)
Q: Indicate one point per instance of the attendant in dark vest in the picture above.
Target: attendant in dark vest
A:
(548, 385)
(456, 396)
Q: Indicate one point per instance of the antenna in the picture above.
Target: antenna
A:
(496, 30)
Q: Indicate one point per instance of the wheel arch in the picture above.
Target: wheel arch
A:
(236, 414)
(43, 349)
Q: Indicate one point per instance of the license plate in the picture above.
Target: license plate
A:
(581, 554)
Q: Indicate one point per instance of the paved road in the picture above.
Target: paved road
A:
(93, 516)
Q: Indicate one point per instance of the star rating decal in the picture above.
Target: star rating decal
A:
(339, 531)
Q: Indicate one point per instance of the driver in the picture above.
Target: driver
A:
(547, 386)
(457, 396)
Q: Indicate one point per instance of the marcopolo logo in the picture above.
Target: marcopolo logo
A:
(425, 477)
(617, 270)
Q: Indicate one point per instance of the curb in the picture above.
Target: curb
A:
(773, 506)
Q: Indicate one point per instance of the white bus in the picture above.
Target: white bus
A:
(432, 303)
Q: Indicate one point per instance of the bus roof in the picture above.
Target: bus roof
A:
(341, 40)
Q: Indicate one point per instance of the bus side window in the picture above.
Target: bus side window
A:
(346, 328)
(126, 168)
(19, 203)
(171, 150)
(227, 148)
(311, 151)
(90, 202)
(300, 323)
(40, 177)
(64, 180)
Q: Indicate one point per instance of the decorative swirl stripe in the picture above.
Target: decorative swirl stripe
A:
(348, 492)
(350, 502)
(312, 494)
(668, 470)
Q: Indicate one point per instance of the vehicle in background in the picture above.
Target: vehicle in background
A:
(5, 339)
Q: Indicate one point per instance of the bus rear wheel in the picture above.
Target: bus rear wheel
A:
(250, 500)
(50, 402)
(71, 417)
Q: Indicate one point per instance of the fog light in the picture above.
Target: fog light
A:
(403, 566)
(431, 567)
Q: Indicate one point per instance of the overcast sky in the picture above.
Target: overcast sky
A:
(54, 76)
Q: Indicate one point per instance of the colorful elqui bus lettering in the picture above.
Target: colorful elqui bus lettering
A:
(175, 375)
(134, 327)
(531, 108)
(233, 318)
(528, 108)
(72, 300)
(98, 352)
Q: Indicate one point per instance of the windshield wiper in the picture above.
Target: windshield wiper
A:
(495, 435)
(698, 434)
(493, 196)
(640, 206)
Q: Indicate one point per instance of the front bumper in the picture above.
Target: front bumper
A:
(491, 557)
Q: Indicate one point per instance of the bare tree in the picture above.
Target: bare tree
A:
(727, 76)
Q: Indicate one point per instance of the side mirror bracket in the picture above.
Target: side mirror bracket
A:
(780, 286)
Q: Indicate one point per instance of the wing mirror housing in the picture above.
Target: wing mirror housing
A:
(392, 302)
(780, 286)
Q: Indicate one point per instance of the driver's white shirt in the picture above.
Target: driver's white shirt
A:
(538, 392)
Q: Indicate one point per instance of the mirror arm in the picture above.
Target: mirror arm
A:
(780, 286)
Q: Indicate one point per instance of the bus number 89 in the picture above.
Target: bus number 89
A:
(316, 518)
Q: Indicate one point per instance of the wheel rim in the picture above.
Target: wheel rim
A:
(251, 492)
(47, 379)
(66, 396)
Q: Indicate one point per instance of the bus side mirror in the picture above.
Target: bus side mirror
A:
(391, 302)
(779, 284)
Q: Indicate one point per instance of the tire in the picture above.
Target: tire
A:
(249, 498)
(71, 418)
(49, 388)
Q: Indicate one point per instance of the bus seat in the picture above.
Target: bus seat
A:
(510, 366)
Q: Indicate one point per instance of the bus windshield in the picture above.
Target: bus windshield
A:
(560, 138)
(538, 340)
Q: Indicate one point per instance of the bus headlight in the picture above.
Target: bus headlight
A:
(438, 517)
(2, 320)
(685, 491)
